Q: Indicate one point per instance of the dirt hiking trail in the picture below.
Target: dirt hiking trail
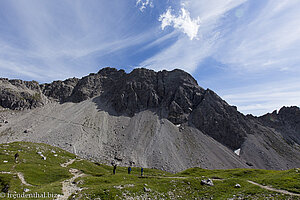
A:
(69, 186)
(274, 190)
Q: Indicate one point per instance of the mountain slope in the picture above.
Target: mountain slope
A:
(144, 139)
(154, 119)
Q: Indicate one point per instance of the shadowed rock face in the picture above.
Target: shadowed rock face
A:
(224, 123)
(286, 121)
(59, 90)
(172, 95)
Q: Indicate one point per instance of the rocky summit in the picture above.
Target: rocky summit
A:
(161, 120)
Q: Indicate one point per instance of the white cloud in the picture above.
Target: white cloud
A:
(186, 54)
(183, 22)
(143, 4)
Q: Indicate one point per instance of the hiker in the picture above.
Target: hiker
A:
(142, 170)
(16, 157)
(129, 170)
(114, 170)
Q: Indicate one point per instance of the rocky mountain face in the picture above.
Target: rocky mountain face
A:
(18, 94)
(174, 96)
(286, 121)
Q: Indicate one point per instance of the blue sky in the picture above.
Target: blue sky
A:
(245, 50)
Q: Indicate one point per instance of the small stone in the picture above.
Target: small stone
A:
(147, 189)
(26, 190)
(208, 182)
(237, 186)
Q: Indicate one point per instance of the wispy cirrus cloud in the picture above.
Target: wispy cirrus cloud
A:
(211, 11)
(59, 39)
(258, 100)
(270, 40)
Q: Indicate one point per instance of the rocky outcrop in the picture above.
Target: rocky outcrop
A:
(59, 90)
(19, 95)
(172, 94)
(286, 121)
(130, 93)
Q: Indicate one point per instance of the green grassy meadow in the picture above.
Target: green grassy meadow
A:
(98, 181)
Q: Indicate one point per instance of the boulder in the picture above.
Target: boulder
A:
(208, 182)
